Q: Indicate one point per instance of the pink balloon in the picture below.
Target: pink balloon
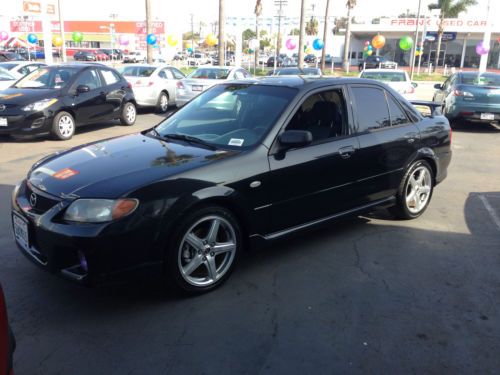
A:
(123, 40)
(482, 48)
(4, 35)
(290, 44)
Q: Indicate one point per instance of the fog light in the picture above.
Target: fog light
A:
(38, 122)
(83, 261)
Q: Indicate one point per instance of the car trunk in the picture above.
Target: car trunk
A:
(199, 85)
(481, 94)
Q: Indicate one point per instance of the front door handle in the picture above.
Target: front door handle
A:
(346, 152)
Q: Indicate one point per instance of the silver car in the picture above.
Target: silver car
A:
(153, 85)
(205, 77)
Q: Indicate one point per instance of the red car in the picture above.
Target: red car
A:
(101, 56)
(7, 341)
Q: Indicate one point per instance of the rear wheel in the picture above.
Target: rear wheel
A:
(63, 126)
(129, 114)
(163, 103)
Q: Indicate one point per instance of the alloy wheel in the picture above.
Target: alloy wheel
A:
(418, 190)
(130, 113)
(163, 102)
(66, 126)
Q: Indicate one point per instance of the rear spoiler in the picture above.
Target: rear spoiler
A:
(435, 107)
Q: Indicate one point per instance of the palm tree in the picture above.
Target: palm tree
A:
(258, 12)
(312, 27)
(222, 39)
(302, 33)
(350, 5)
(449, 9)
(325, 34)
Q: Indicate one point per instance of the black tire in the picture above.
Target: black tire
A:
(179, 254)
(402, 209)
(126, 117)
(63, 126)
(160, 105)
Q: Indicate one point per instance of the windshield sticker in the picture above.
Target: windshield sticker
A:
(65, 173)
(236, 142)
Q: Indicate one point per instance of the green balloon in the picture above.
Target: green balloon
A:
(405, 43)
(77, 36)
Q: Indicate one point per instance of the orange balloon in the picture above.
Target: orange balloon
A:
(378, 41)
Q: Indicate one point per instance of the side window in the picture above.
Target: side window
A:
(177, 73)
(371, 108)
(323, 114)
(24, 70)
(110, 77)
(246, 74)
(238, 74)
(398, 117)
(89, 78)
(168, 74)
(447, 84)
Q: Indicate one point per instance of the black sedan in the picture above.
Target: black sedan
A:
(296, 71)
(84, 56)
(56, 99)
(244, 162)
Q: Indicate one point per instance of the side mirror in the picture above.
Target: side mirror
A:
(295, 138)
(82, 88)
(438, 86)
(414, 84)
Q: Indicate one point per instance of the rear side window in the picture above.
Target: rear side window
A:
(398, 117)
(177, 74)
(110, 77)
(371, 108)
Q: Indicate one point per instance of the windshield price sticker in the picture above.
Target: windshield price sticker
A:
(236, 142)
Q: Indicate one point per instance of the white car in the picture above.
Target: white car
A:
(153, 85)
(134, 57)
(205, 77)
(6, 79)
(399, 80)
(21, 68)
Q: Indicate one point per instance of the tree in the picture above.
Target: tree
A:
(350, 5)
(449, 9)
(302, 33)
(258, 12)
(294, 32)
(325, 35)
(222, 33)
(312, 26)
(340, 24)
(249, 34)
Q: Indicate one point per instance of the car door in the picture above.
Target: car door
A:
(440, 95)
(388, 141)
(114, 89)
(168, 82)
(312, 182)
(89, 106)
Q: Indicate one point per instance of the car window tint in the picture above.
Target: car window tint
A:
(371, 108)
(110, 77)
(398, 117)
(323, 114)
(138, 71)
(177, 73)
(385, 76)
(89, 78)
(238, 75)
(168, 74)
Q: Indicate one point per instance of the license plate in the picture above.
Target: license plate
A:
(21, 231)
(197, 88)
(487, 116)
(3, 121)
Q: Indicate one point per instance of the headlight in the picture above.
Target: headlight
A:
(99, 210)
(39, 106)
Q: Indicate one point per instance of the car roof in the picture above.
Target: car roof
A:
(481, 74)
(77, 65)
(302, 82)
(383, 70)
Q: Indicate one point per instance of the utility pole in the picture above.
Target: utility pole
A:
(149, 28)
(222, 38)
(61, 30)
(415, 42)
(302, 32)
(325, 35)
(347, 39)
(192, 34)
(258, 12)
(279, 4)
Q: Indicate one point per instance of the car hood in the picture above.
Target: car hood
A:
(21, 97)
(117, 166)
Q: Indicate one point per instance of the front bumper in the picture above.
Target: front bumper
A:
(26, 123)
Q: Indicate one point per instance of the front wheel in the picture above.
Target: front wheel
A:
(129, 114)
(162, 105)
(63, 126)
(415, 191)
(205, 249)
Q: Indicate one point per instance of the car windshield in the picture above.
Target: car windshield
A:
(311, 71)
(481, 80)
(5, 75)
(7, 66)
(138, 71)
(287, 72)
(385, 76)
(47, 78)
(210, 73)
(230, 116)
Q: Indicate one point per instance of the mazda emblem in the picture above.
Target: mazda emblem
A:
(2, 107)
(33, 199)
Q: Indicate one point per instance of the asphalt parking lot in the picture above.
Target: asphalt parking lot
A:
(362, 295)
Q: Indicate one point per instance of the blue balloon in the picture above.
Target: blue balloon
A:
(32, 38)
(318, 44)
(151, 39)
(370, 48)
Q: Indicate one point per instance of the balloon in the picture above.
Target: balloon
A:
(211, 40)
(77, 36)
(190, 49)
(498, 39)
(32, 38)
(365, 49)
(308, 50)
(367, 43)
(123, 40)
(57, 41)
(405, 43)
(370, 48)
(172, 40)
(253, 44)
(4, 35)
(482, 48)
(250, 50)
(378, 41)
(369, 52)
(290, 44)
(318, 44)
(151, 39)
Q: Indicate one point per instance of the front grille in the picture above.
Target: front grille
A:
(40, 202)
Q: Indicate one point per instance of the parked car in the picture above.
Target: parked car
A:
(399, 80)
(7, 340)
(111, 54)
(204, 78)
(21, 68)
(101, 55)
(377, 62)
(134, 57)
(310, 59)
(470, 96)
(153, 85)
(279, 61)
(58, 98)
(85, 56)
(10, 56)
(245, 162)
(296, 71)
(7, 79)
(197, 59)
(328, 59)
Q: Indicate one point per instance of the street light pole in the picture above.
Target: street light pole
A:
(414, 47)
(61, 30)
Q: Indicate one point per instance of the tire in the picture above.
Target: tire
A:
(418, 182)
(129, 114)
(163, 103)
(63, 126)
(197, 260)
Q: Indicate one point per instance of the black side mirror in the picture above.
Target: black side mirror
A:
(438, 86)
(82, 88)
(295, 138)
(414, 84)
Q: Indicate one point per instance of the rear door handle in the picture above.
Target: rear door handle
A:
(346, 152)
